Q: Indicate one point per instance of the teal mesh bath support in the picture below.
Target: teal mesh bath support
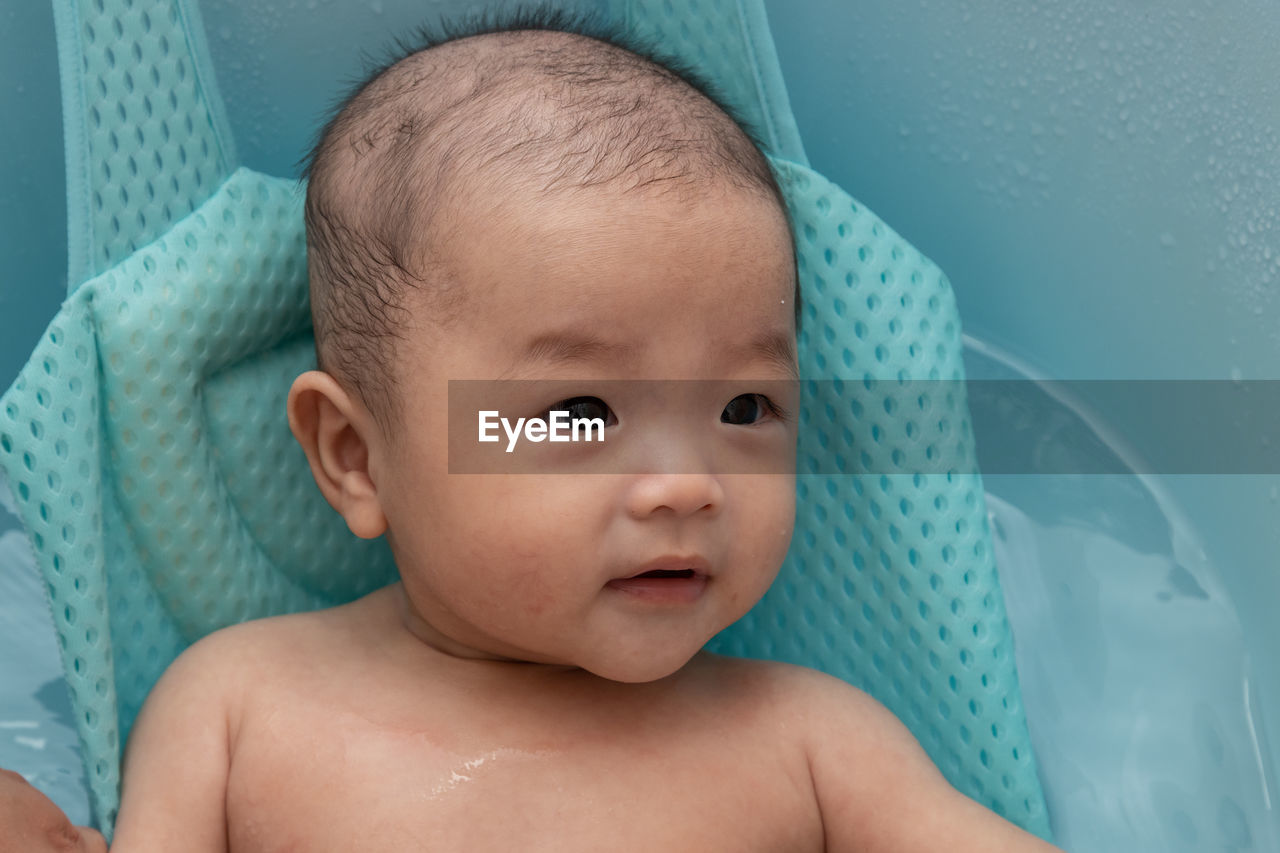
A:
(164, 497)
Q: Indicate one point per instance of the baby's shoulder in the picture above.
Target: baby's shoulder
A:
(787, 680)
(257, 644)
(806, 697)
(244, 657)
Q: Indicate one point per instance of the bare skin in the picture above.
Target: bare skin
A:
(518, 689)
(31, 823)
(355, 736)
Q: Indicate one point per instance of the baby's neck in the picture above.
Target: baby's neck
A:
(427, 649)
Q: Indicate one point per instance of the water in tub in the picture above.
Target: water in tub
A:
(37, 733)
(1137, 681)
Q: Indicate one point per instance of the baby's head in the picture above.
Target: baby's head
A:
(538, 205)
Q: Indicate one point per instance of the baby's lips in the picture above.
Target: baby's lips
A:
(695, 563)
(670, 581)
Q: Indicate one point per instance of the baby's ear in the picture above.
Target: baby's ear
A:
(334, 430)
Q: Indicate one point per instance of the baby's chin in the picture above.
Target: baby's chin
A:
(639, 668)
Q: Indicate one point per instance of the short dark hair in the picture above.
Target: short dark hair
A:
(390, 159)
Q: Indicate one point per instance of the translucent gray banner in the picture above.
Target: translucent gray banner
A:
(860, 427)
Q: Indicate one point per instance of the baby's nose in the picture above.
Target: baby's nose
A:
(681, 495)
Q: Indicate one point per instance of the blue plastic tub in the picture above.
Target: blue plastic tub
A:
(1101, 184)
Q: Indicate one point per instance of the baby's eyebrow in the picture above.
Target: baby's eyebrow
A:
(775, 347)
(559, 347)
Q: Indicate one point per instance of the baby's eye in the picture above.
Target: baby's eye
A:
(583, 407)
(749, 408)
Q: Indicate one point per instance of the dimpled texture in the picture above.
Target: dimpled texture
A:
(146, 444)
(149, 140)
(890, 582)
(151, 459)
(225, 286)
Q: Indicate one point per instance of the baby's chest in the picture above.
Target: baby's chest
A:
(353, 785)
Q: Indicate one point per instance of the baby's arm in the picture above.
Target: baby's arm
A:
(878, 791)
(178, 758)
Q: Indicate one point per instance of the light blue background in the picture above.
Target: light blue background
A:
(1100, 180)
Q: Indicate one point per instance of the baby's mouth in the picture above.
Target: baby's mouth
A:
(665, 573)
(681, 581)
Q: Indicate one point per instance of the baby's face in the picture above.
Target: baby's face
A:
(541, 566)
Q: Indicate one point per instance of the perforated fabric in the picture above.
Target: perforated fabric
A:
(146, 137)
(150, 457)
(192, 361)
(891, 583)
(146, 445)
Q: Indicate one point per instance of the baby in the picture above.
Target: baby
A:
(530, 204)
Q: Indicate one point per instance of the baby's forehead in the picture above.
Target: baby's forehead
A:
(592, 255)
(545, 107)
(528, 115)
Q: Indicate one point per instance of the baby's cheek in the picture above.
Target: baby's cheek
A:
(772, 514)
(538, 529)
(530, 504)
